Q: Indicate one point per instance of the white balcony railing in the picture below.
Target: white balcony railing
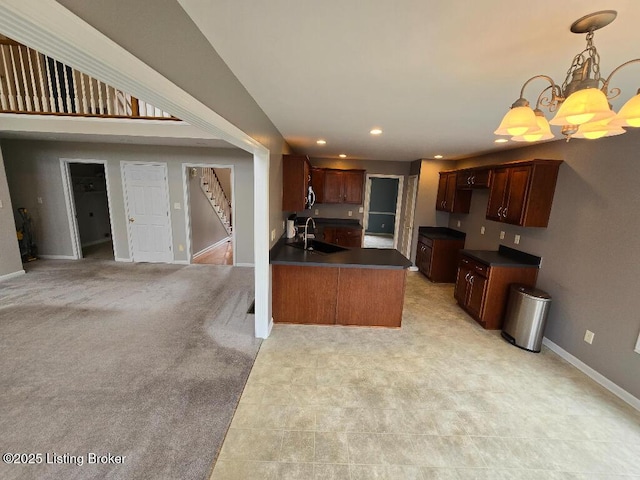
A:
(31, 82)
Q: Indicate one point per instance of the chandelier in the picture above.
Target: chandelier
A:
(581, 103)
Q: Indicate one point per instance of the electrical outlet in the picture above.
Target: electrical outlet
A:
(350, 213)
(516, 239)
(361, 210)
(273, 234)
(177, 206)
(317, 212)
(458, 223)
(588, 336)
(39, 200)
(501, 235)
(482, 230)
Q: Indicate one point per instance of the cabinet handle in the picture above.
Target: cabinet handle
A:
(471, 279)
(499, 210)
(444, 204)
(504, 213)
(466, 277)
(473, 180)
(469, 180)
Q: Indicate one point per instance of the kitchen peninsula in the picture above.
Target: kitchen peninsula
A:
(355, 286)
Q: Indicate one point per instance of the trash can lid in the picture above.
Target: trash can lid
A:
(531, 292)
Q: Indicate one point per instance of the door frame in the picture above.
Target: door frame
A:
(367, 200)
(70, 203)
(410, 216)
(187, 204)
(125, 199)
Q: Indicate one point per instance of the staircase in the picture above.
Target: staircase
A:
(210, 185)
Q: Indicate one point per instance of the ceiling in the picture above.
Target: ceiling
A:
(435, 76)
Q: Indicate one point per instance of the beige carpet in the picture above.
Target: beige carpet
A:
(140, 360)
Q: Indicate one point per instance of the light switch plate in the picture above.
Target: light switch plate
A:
(350, 213)
(177, 206)
(458, 223)
(502, 235)
(588, 336)
(516, 239)
(0, 203)
(39, 200)
(361, 210)
(482, 230)
(273, 234)
(317, 212)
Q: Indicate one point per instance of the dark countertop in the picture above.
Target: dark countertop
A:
(330, 222)
(282, 254)
(504, 257)
(441, 233)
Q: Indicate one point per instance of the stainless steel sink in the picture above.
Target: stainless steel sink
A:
(318, 246)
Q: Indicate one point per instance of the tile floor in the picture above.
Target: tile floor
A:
(439, 398)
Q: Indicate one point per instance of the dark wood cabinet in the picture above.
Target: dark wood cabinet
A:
(344, 236)
(296, 178)
(332, 295)
(338, 186)
(449, 198)
(437, 258)
(473, 178)
(482, 290)
(522, 194)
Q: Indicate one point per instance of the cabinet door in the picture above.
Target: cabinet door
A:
(497, 194)
(516, 197)
(329, 235)
(428, 253)
(420, 253)
(460, 292)
(295, 182)
(476, 295)
(442, 191)
(352, 187)
(450, 196)
(350, 237)
(332, 186)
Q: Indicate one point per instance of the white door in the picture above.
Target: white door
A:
(409, 213)
(147, 207)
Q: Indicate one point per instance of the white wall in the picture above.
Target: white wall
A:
(33, 170)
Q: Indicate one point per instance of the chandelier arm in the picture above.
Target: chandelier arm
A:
(605, 85)
(555, 89)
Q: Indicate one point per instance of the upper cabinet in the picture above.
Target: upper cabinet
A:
(450, 198)
(296, 178)
(473, 178)
(338, 186)
(522, 193)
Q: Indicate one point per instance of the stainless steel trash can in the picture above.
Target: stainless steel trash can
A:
(526, 317)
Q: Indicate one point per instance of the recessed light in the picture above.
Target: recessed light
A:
(375, 131)
(438, 157)
(342, 155)
(321, 142)
(501, 140)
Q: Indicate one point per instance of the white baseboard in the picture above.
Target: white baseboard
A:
(211, 247)
(96, 242)
(120, 259)
(180, 262)
(7, 276)
(245, 265)
(591, 373)
(57, 257)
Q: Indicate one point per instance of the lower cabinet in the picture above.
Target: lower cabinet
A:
(334, 295)
(343, 236)
(437, 258)
(482, 290)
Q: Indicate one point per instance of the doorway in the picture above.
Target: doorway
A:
(383, 203)
(209, 213)
(88, 202)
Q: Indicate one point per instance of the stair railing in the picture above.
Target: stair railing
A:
(31, 82)
(211, 186)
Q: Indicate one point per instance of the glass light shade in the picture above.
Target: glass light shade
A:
(543, 132)
(586, 105)
(629, 114)
(593, 130)
(517, 121)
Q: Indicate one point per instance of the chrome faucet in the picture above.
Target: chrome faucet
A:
(306, 228)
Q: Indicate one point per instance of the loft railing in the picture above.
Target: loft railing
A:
(33, 83)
